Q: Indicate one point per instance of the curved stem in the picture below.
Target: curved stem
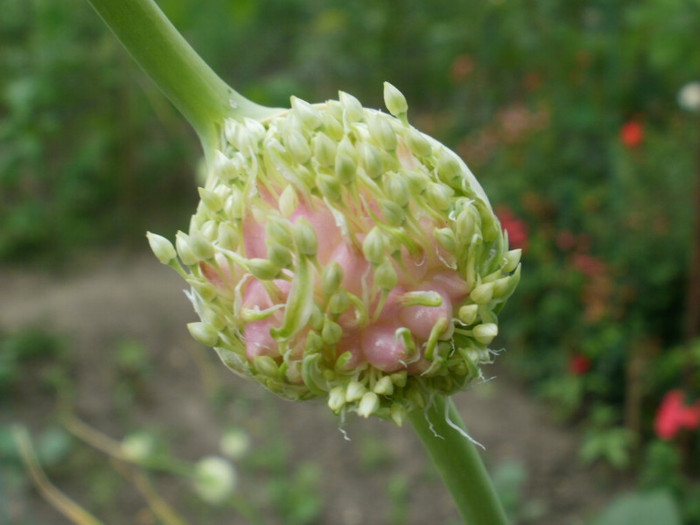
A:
(459, 463)
(198, 93)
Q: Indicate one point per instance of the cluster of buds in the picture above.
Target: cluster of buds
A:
(338, 252)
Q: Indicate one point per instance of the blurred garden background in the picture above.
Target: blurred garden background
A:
(580, 118)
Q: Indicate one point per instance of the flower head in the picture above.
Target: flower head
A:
(339, 252)
(674, 415)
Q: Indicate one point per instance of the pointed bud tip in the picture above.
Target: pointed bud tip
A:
(161, 247)
(394, 100)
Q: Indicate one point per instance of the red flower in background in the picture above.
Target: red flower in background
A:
(589, 265)
(516, 227)
(632, 133)
(579, 364)
(674, 415)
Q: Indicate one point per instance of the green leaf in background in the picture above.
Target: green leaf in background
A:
(654, 508)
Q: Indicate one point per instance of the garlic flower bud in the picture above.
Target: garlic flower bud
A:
(338, 252)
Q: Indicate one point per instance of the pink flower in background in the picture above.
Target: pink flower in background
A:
(589, 265)
(462, 67)
(632, 133)
(566, 241)
(579, 364)
(516, 228)
(674, 415)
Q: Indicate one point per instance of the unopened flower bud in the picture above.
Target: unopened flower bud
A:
(374, 246)
(305, 238)
(392, 212)
(298, 147)
(512, 259)
(355, 391)
(466, 223)
(309, 116)
(203, 333)
(482, 294)
(210, 230)
(394, 100)
(339, 302)
(439, 196)
(224, 166)
(385, 275)
(288, 201)
(263, 269)
(332, 126)
(330, 186)
(485, 333)
(449, 167)
(505, 286)
(254, 130)
(381, 131)
(233, 206)
(446, 238)
(384, 387)
(265, 365)
(279, 255)
(201, 246)
(324, 150)
(397, 189)
(419, 144)
(162, 248)
(184, 251)
(331, 332)
(336, 398)
(331, 278)
(279, 231)
(467, 313)
(211, 200)
(398, 413)
(345, 168)
(368, 404)
(372, 160)
(352, 109)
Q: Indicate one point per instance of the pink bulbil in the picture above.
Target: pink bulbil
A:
(375, 340)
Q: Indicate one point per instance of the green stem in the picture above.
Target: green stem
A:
(198, 93)
(458, 462)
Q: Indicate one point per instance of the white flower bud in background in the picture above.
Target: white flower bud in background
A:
(235, 443)
(138, 447)
(689, 97)
(214, 479)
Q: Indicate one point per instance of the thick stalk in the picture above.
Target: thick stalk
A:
(198, 93)
(459, 463)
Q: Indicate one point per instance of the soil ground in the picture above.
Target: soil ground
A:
(110, 298)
